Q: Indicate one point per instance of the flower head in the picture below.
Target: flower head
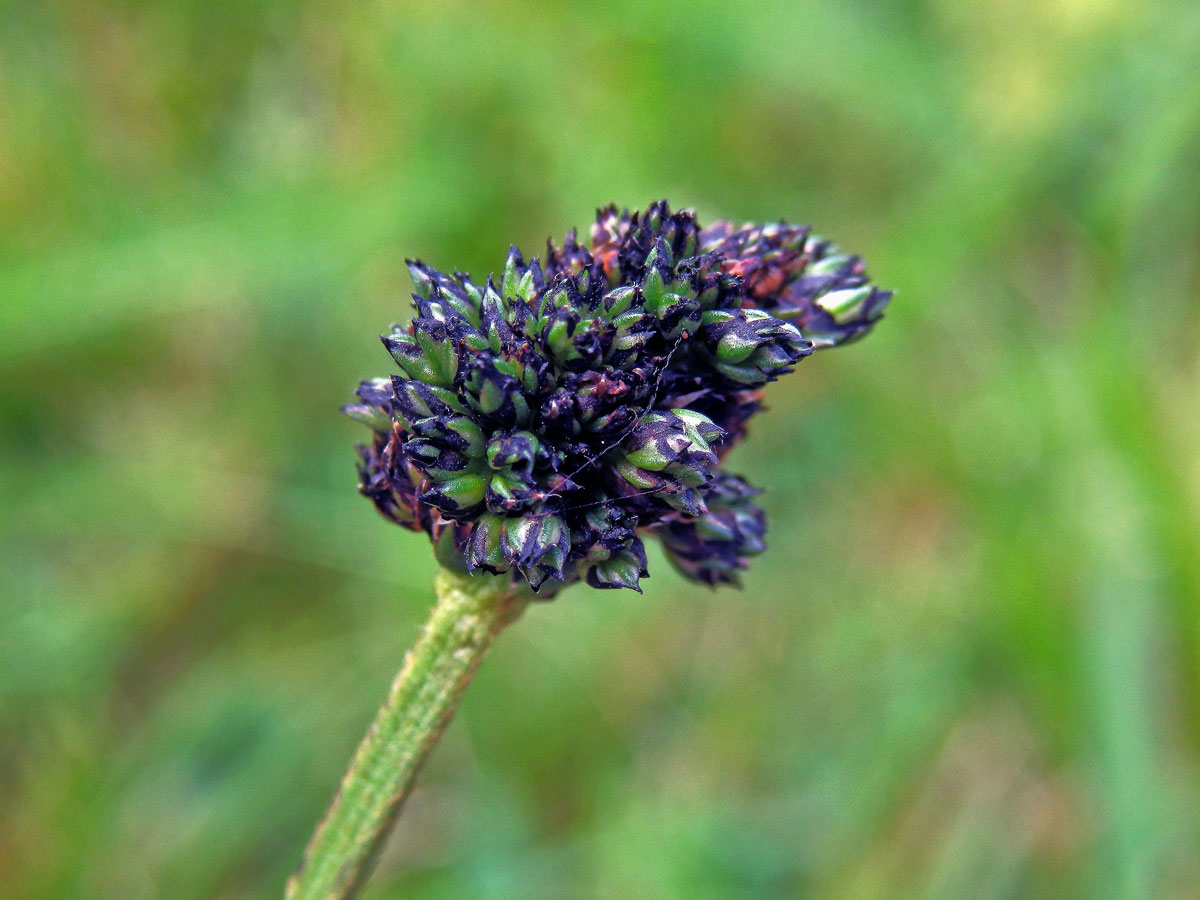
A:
(542, 426)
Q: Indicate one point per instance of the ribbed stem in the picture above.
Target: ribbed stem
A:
(469, 613)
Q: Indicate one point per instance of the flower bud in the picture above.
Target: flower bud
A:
(714, 547)
(621, 570)
(670, 453)
(750, 346)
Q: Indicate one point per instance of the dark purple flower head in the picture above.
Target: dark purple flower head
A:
(544, 425)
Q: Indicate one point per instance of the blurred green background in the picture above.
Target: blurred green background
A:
(969, 666)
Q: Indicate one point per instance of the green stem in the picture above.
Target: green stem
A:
(469, 613)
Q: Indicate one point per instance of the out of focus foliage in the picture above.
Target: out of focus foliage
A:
(969, 664)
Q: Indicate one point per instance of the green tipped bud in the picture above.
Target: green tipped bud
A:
(517, 449)
(623, 570)
(846, 305)
(457, 494)
(750, 346)
(428, 354)
(483, 547)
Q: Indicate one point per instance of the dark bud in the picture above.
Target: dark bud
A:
(675, 312)
(830, 317)
(537, 546)
(460, 433)
(386, 482)
(750, 346)
(375, 411)
(669, 453)
(458, 496)
(714, 547)
(571, 259)
(521, 283)
(425, 352)
(446, 295)
(623, 570)
(517, 450)
(493, 392)
(764, 258)
(416, 400)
